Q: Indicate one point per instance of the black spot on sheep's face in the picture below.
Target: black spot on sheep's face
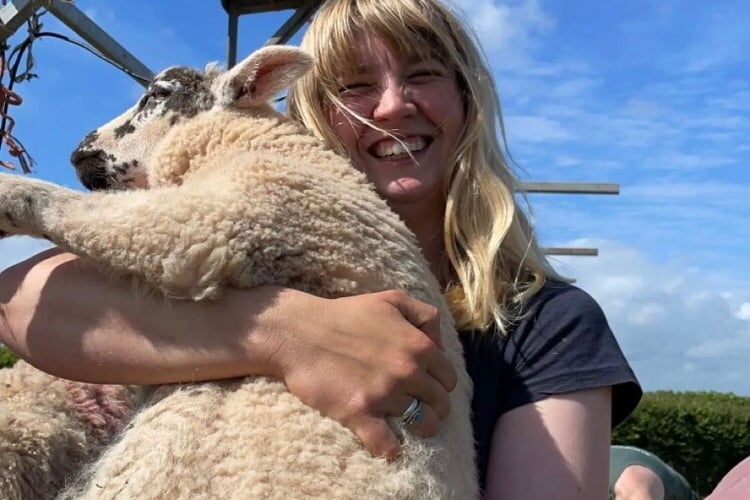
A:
(116, 155)
(124, 129)
(185, 93)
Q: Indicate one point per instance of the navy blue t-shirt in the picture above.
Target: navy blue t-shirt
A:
(562, 344)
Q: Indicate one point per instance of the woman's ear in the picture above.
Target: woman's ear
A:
(261, 75)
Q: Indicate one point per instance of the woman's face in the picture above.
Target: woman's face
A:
(417, 101)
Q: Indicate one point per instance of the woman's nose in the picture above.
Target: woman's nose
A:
(395, 102)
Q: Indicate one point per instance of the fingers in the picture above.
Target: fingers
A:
(426, 318)
(408, 380)
(427, 425)
(421, 315)
(433, 395)
(439, 368)
(377, 437)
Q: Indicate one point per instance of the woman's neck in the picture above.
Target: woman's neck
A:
(427, 226)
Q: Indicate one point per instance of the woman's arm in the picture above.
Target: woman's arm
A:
(555, 448)
(69, 320)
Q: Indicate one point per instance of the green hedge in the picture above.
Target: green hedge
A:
(7, 358)
(701, 434)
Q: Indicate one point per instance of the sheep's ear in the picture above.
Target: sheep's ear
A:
(262, 75)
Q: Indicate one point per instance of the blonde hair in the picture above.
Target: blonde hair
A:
(496, 262)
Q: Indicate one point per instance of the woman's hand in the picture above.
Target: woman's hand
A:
(361, 359)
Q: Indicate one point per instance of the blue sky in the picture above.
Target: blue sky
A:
(653, 95)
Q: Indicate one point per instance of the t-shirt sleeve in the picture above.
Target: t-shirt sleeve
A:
(564, 345)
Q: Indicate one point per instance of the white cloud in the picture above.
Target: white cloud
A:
(675, 160)
(535, 129)
(508, 28)
(640, 107)
(678, 328)
(567, 161)
(721, 40)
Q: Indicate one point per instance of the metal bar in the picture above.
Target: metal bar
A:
(294, 23)
(13, 15)
(282, 35)
(242, 7)
(100, 40)
(580, 252)
(232, 40)
(570, 187)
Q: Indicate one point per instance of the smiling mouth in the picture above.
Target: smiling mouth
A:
(395, 150)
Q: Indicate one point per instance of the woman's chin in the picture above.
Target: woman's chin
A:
(403, 191)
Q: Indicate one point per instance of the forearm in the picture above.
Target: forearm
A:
(68, 319)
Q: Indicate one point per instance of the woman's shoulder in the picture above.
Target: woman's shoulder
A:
(558, 293)
(559, 302)
(556, 303)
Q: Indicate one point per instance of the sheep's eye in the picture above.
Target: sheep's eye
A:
(153, 93)
(159, 92)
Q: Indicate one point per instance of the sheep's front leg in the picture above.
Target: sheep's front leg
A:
(25, 204)
(180, 240)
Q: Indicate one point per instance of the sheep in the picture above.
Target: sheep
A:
(50, 428)
(240, 195)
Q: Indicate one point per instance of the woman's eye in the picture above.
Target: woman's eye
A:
(355, 89)
(425, 74)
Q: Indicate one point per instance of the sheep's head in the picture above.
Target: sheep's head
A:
(118, 155)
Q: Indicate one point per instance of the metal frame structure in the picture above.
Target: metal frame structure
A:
(598, 188)
(303, 12)
(570, 187)
(16, 12)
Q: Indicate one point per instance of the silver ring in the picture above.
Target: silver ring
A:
(413, 413)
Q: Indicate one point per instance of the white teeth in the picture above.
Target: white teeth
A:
(393, 148)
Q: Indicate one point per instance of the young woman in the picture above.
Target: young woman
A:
(399, 87)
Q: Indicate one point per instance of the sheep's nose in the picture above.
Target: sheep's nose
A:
(90, 166)
(94, 179)
(80, 155)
